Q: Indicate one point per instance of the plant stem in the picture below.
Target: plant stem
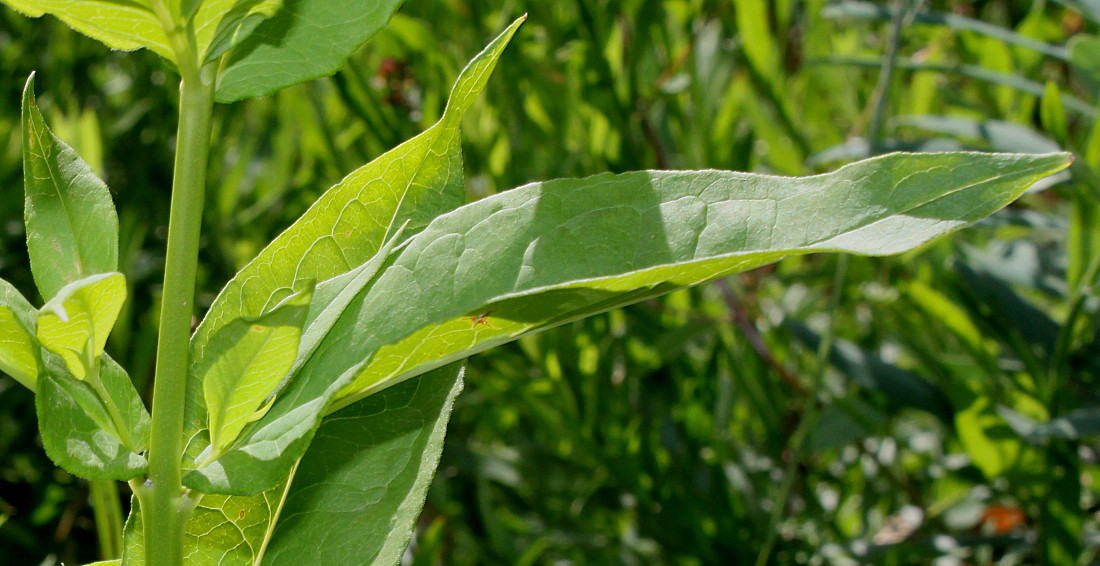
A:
(108, 518)
(165, 505)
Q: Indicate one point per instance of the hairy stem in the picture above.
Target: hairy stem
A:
(165, 504)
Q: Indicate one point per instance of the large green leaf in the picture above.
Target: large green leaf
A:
(120, 24)
(304, 40)
(360, 488)
(18, 347)
(551, 252)
(251, 357)
(72, 228)
(348, 226)
(95, 433)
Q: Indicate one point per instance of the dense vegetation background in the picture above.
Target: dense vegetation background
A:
(937, 406)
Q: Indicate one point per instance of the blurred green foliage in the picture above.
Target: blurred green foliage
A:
(940, 405)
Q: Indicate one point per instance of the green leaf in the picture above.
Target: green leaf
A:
(548, 253)
(18, 347)
(119, 24)
(552, 252)
(220, 25)
(305, 40)
(72, 228)
(75, 324)
(359, 490)
(93, 432)
(250, 358)
(348, 226)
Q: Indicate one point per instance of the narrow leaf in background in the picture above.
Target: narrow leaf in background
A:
(359, 490)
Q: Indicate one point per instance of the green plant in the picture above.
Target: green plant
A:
(342, 340)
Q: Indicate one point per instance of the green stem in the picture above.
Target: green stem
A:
(108, 518)
(165, 504)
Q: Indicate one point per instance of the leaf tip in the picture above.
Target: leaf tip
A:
(28, 92)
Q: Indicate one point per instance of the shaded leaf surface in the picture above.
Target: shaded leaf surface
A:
(72, 228)
(304, 40)
(360, 488)
(222, 24)
(353, 499)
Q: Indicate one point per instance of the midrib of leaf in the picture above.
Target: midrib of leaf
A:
(275, 516)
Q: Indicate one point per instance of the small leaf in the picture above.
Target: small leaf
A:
(359, 490)
(75, 324)
(305, 40)
(251, 358)
(119, 24)
(93, 434)
(72, 228)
